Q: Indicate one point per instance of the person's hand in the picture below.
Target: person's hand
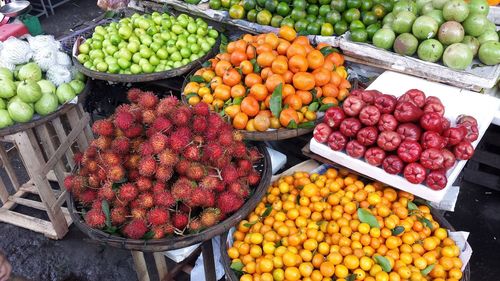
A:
(5, 268)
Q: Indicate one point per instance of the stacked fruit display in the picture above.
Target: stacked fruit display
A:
(407, 135)
(334, 227)
(159, 168)
(323, 17)
(453, 31)
(147, 43)
(266, 81)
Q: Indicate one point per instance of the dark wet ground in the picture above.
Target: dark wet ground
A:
(36, 257)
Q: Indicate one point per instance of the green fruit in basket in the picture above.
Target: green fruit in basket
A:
(405, 44)
(356, 24)
(298, 14)
(299, 4)
(338, 5)
(271, 5)
(47, 87)
(125, 32)
(379, 11)
(7, 88)
(456, 10)
(313, 10)
(276, 20)
(65, 93)
(352, 15)
(249, 4)
(475, 24)
(430, 50)
(82, 58)
(215, 4)
(389, 18)
(457, 56)
(472, 42)
(283, 9)
(403, 22)
(450, 32)
(301, 25)
(77, 85)
(372, 29)
(324, 10)
(384, 38)
(114, 68)
(327, 29)
(20, 111)
(6, 74)
(340, 27)
(480, 7)
(264, 17)
(333, 17)
(237, 12)
(252, 15)
(84, 48)
(101, 66)
(288, 21)
(369, 18)
(488, 35)
(489, 53)
(47, 104)
(5, 119)
(405, 5)
(88, 64)
(135, 69)
(313, 28)
(353, 4)
(359, 35)
(425, 27)
(3, 105)
(366, 5)
(437, 15)
(311, 18)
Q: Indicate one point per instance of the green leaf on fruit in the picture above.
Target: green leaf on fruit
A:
(105, 210)
(256, 67)
(222, 113)
(223, 43)
(314, 93)
(313, 106)
(367, 217)
(190, 95)
(109, 15)
(249, 224)
(237, 101)
(206, 64)
(383, 262)
(306, 125)
(412, 206)
(292, 124)
(428, 269)
(267, 211)
(351, 277)
(148, 235)
(110, 229)
(328, 50)
(277, 244)
(427, 222)
(303, 33)
(276, 100)
(197, 79)
(325, 107)
(398, 230)
(238, 266)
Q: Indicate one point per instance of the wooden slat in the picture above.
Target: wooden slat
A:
(38, 205)
(75, 122)
(161, 264)
(65, 145)
(86, 130)
(208, 260)
(31, 223)
(10, 204)
(140, 266)
(8, 167)
(4, 194)
(50, 149)
(487, 158)
(61, 134)
(482, 178)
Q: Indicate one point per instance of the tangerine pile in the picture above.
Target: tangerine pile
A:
(321, 227)
(242, 81)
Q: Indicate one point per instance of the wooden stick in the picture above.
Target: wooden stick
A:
(50, 148)
(8, 167)
(208, 260)
(61, 134)
(161, 264)
(140, 266)
(75, 122)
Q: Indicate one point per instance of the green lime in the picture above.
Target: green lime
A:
(299, 5)
(371, 29)
(353, 4)
(261, 3)
(320, 20)
(379, 11)
(234, 2)
(324, 10)
(264, 17)
(327, 29)
(311, 18)
(388, 5)
(352, 15)
(276, 21)
(338, 5)
(252, 15)
(333, 17)
(324, 2)
(271, 5)
(340, 27)
(366, 5)
(288, 21)
(356, 24)
(300, 25)
(369, 18)
(313, 28)
(313, 10)
(298, 14)
(237, 12)
(359, 35)
(249, 5)
(283, 9)
(312, 1)
(226, 3)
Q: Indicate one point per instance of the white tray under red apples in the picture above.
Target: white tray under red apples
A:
(456, 102)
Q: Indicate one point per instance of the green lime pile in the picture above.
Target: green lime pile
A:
(147, 43)
(449, 30)
(313, 17)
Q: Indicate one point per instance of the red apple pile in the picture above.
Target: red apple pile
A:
(407, 135)
(158, 167)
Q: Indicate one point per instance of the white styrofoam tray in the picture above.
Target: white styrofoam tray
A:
(456, 102)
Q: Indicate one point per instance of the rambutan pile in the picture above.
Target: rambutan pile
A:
(158, 168)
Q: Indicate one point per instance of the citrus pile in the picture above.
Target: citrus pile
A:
(271, 81)
(333, 226)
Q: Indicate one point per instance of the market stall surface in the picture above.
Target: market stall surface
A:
(75, 257)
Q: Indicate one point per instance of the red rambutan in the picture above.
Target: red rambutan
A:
(215, 121)
(240, 188)
(201, 109)
(254, 154)
(120, 145)
(94, 181)
(166, 104)
(144, 183)
(209, 182)
(118, 203)
(195, 172)
(192, 153)
(124, 119)
(148, 116)
(221, 162)
(158, 142)
(147, 100)
(158, 231)
(162, 124)
(237, 136)
(168, 228)
(211, 134)
(239, 150)
(245, 165)
(210, 216)
(146, 149)
(147, 166)
(68, 182)
(133, 175)
(159, 187)
(132, 161)
(90, 153)
(181, 190)
(199, 124)
(106, 192)
(87, 197)
(182, 166)
(127, 192)
(229, 174)
(212, 151)
(226, 138)
(195, 225)
(164, 199)
(103, 127)
(92, 165)
(168, 157)
(102, 142)
(138, 213)
(253, 177)
(180, 220)
(179, 139)
(101, 173)
(164, 173)
(198, 139)
(146, 200)
(180, 116)
(95, 218)
(135, 229)
(133, 94)
(110, 159)
(135, 144)
(79, 185)
(78, 158)
(229, 202)
(118, 215)
(158, 216)
(133, 132)
(198, 197)
(97, 205)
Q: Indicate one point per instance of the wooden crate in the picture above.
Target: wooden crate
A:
(46, 151)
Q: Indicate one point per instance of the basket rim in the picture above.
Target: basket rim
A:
(177, 242)
(62, 109)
